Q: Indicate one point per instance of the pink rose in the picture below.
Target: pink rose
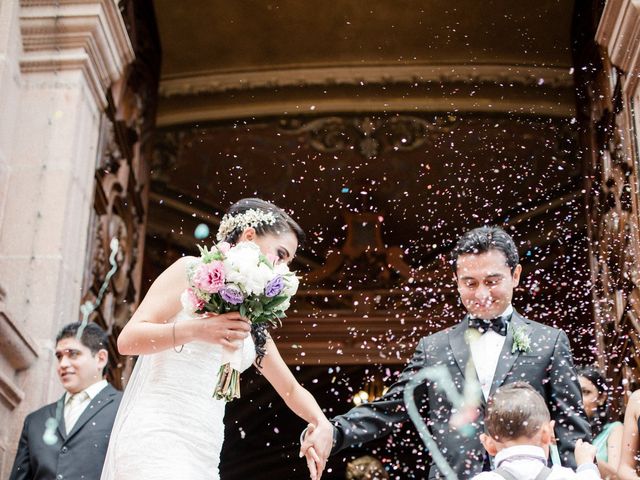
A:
(209, 277)
(190, 300)
(224, 247)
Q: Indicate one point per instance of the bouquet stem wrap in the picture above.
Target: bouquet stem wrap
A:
(228, 386)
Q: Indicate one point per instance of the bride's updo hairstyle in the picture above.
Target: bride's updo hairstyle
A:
(263, 216)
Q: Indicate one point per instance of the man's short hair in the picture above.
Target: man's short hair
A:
(516, 410)
(481, 240)
(92, 336)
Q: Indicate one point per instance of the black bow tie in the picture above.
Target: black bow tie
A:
(498, 325)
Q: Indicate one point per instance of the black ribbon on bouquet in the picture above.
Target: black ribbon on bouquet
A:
(259, 334)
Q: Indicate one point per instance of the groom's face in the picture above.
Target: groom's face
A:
(485, 283)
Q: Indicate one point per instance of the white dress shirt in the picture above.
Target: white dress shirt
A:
(485, 351)
(525, 462)
(73, 411)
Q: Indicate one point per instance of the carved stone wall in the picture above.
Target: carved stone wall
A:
(607, 91)
(60, 67)
(121, 188)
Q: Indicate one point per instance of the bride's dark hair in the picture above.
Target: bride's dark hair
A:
(283, 223)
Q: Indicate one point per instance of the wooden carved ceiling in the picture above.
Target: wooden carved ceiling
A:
(378, 219)
(387, 131)
(236, 60)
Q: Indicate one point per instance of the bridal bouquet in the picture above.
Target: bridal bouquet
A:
(238, 279)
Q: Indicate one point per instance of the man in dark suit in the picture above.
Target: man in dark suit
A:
(503, 347)
(74, 445)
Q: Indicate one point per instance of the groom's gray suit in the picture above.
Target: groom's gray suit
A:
(548, 367)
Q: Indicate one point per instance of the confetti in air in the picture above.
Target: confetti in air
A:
(201, 232)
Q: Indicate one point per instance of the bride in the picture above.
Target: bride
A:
(168, 425)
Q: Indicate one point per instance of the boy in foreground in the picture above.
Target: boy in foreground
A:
(519, 433)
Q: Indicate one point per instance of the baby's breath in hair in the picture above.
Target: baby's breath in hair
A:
(242, 221)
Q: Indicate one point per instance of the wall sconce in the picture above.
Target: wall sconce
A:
(372, 390)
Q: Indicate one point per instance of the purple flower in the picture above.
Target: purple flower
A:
(274, 287)
(231, 294)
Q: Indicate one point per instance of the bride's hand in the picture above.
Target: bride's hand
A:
(223, 329)
(314, 464)
(317, 444)
(319, 437)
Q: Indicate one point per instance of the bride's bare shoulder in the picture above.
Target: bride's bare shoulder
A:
(175, 274)
(182, 263)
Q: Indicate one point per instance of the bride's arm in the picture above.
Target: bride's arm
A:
(148, 330)
(630, 439)
(297, 398)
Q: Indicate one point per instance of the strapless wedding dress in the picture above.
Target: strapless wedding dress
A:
(169, 426)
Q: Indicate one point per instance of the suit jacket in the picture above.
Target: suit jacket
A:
(548, 367)
(78, 455)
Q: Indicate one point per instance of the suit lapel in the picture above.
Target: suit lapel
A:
(462, 353)
(458, 344)
(507, 357)
(104, 398)
(57, 412)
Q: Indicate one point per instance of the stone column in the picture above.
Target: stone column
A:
(57, 60)
(611, 91)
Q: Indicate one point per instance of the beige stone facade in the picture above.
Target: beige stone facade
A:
(57, 60)
(77, 164)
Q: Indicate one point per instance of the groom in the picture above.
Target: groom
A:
(486, 270)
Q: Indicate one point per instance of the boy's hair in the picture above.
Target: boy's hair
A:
(516, 410)
(481, 240)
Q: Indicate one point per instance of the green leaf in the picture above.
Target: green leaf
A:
(277, 300)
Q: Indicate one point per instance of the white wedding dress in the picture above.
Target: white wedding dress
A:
(169, 426)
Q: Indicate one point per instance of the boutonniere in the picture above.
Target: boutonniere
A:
(521, 339)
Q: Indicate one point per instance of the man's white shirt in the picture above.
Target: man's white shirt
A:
(525, 462)
(91, 392)
(485, 352)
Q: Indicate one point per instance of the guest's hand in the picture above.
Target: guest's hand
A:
(584, 452)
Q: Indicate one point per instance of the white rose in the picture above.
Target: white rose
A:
(243, 267)
(291, 281)
(186, 302)
(284, 305)
(257, 279)
(240, 263)
(291, 285)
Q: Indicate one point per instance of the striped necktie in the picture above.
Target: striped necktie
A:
(73, 409)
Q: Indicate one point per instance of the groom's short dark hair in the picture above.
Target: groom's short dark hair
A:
(481, 240)
(516, 410)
